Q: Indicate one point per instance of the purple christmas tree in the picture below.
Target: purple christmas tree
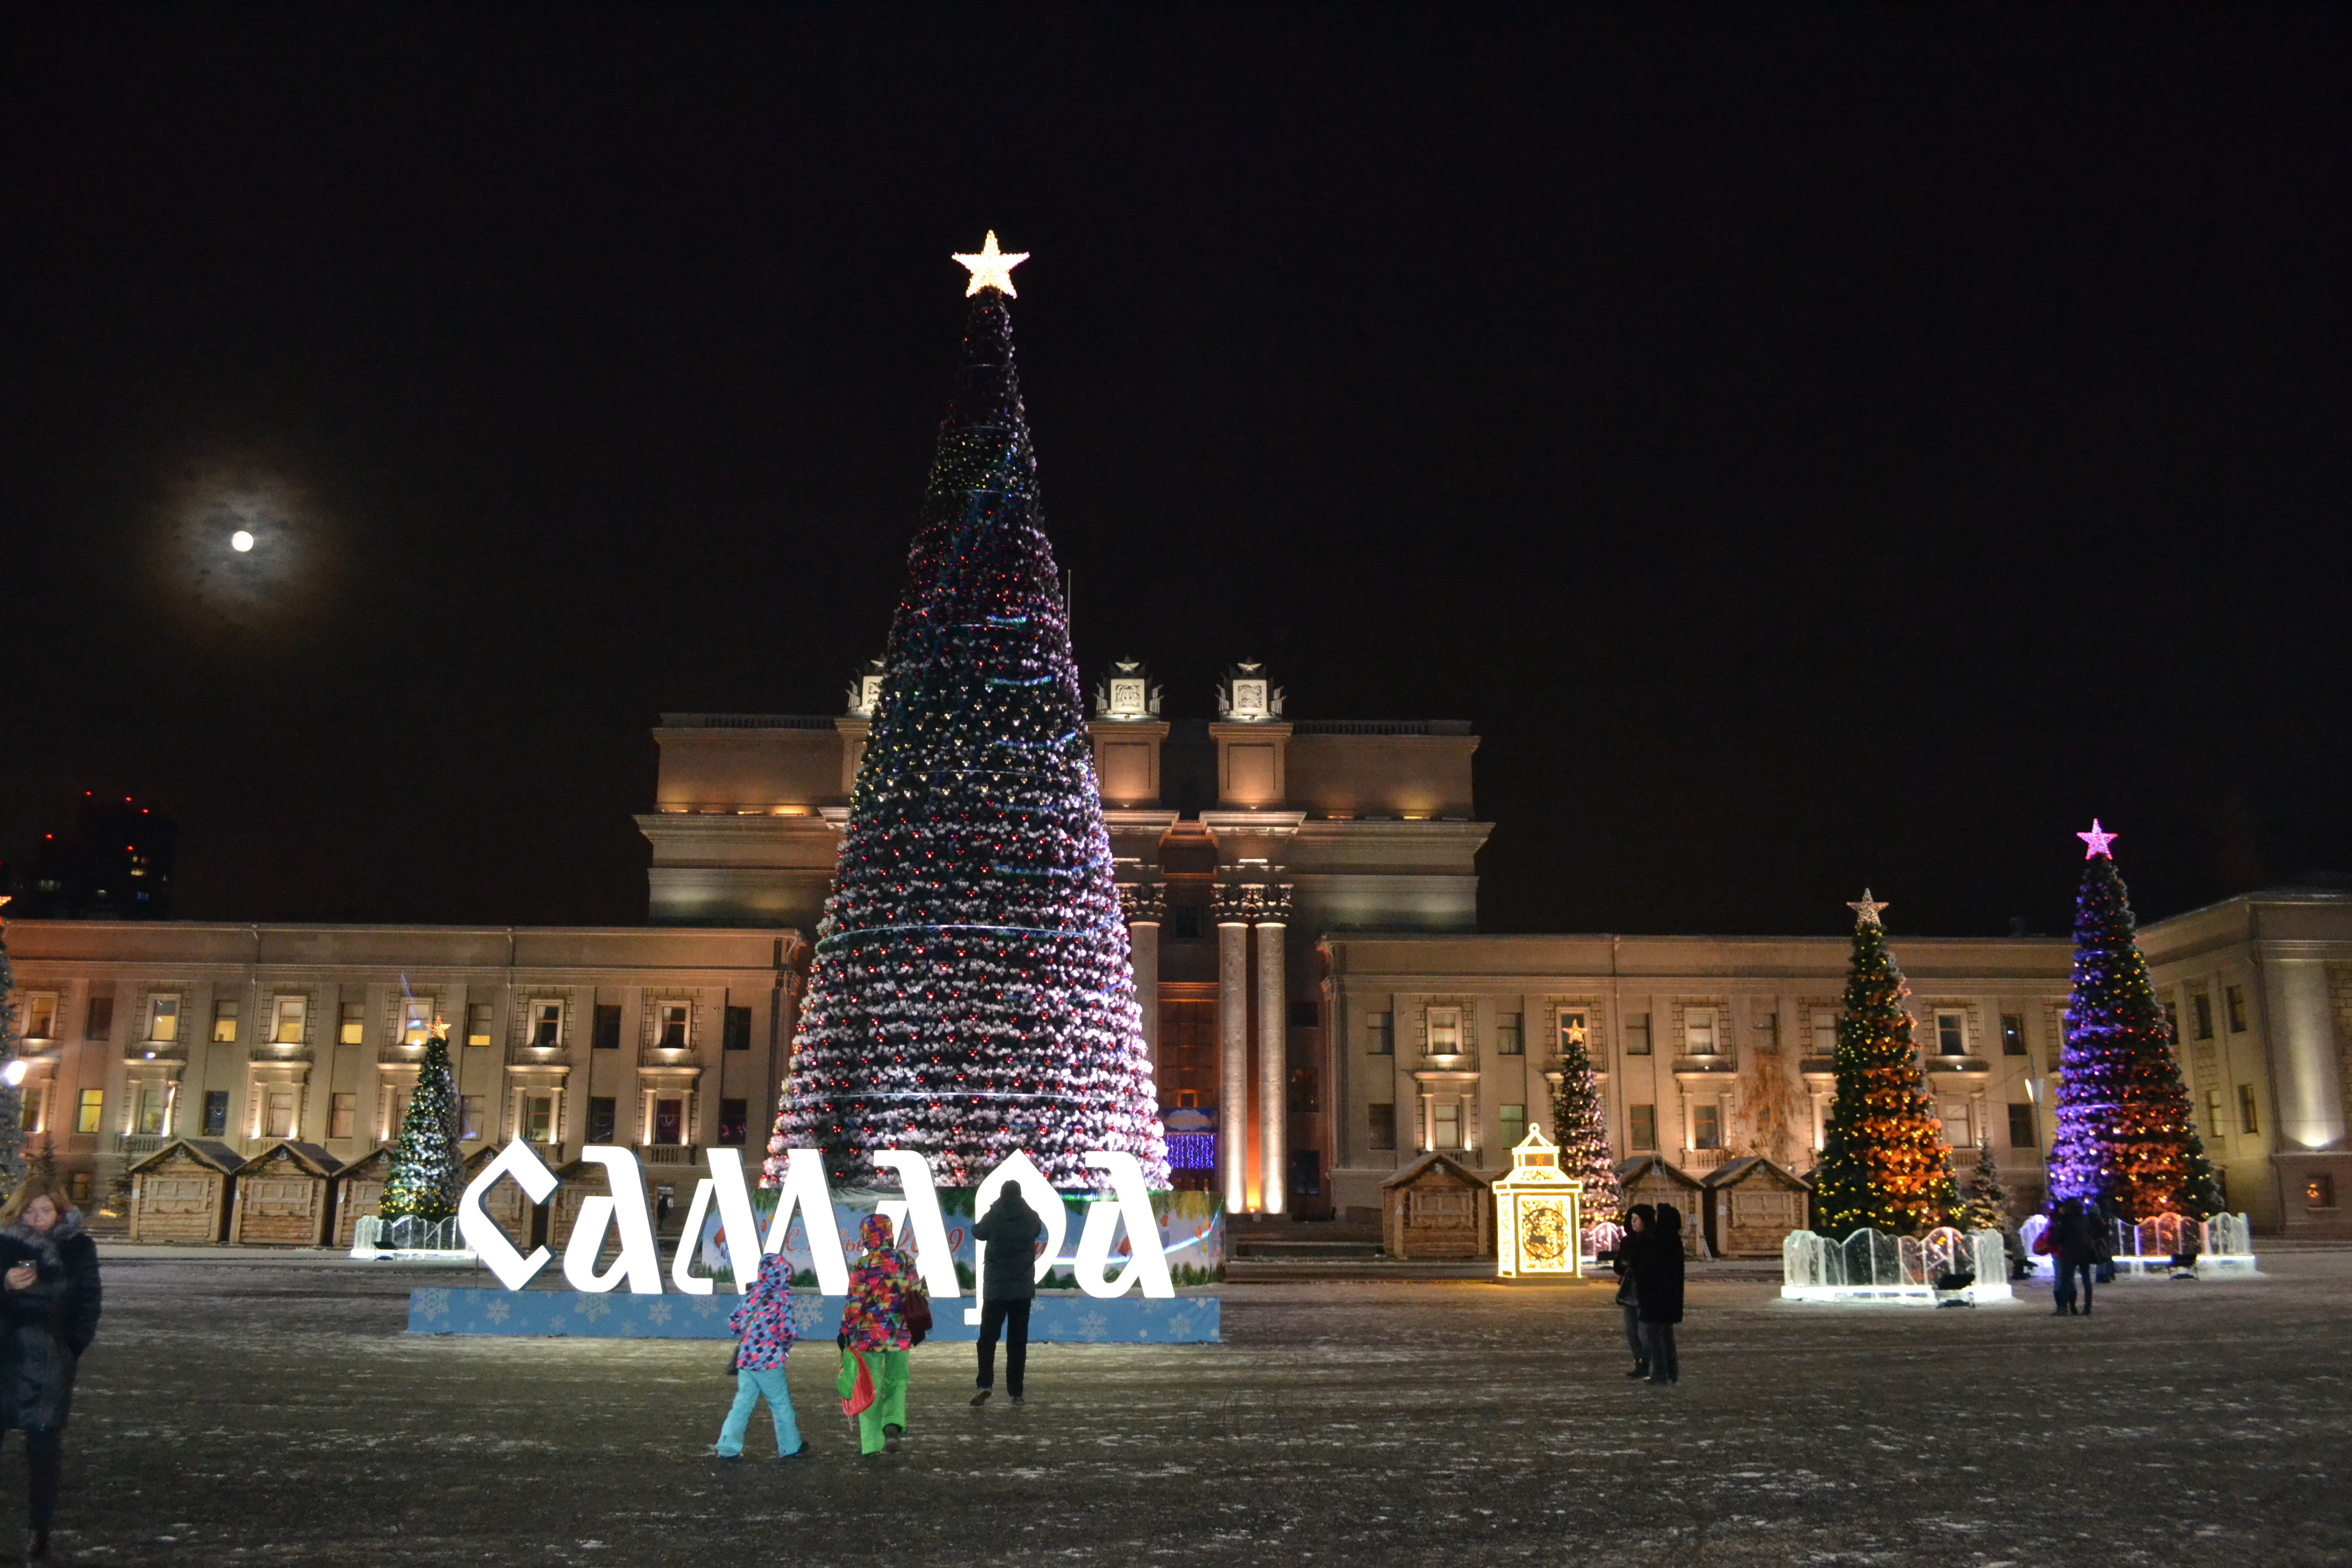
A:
(2124, 1137)
(973, 994)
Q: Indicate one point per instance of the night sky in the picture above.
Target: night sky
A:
(1816, 447)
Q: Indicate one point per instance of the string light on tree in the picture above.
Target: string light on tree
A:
(2123, 1138)
(973, 994)
(1884, 1163)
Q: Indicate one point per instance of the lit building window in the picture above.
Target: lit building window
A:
(285, 1029)
(478, 1024)
(1951, 1034)
(416, 1019)
(87, 1113)
(163, 1019)
(224, 1023)
(1699, 1035)
(354, 1030)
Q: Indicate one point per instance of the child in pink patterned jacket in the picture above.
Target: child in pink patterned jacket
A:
(764, 1321)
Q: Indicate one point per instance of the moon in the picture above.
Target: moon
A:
(240, 542)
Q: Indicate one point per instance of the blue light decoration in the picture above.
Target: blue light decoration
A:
(973, 993)
(2123, 1139)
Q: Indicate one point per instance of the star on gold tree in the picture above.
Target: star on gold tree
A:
(992, 269)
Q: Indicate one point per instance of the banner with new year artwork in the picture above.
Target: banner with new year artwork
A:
(1192, 1235)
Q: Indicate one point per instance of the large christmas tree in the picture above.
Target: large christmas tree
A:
(426, 1180)
(1580, 1127)
(2124, 1137)
(1883, 1162)
(973, 993)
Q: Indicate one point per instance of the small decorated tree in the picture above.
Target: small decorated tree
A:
(1984, 1203)
(1884, 1163)
(425, 1178)
(2125, 1140)
(1580, 1127)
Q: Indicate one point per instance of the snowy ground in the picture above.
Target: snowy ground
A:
(239, 1413)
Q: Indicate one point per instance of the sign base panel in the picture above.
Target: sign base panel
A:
(1055, 1319)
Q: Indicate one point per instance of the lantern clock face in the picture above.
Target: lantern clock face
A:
(1249, 698)
(1127, 696)
(1543, 1233)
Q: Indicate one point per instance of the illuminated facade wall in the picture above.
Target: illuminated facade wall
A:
(1716, 1048)
(666, 1039)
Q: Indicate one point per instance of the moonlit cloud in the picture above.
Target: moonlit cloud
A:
(246, 552)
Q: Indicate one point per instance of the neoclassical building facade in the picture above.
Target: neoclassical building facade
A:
(1320, 1008)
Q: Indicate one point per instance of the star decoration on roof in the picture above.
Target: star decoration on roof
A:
(992, 269)
(2098, 841)
(1865, 908)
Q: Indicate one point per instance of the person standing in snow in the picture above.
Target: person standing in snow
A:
(763, 1325)
(1629, 1299)
(874, 1334)
(49, 1301)
(1658, 1282)
(1008, 1284)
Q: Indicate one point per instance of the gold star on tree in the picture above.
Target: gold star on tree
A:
(1866, 908)
(992, 269)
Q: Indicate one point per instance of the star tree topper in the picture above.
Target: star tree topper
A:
(992, 269)
(2098, 840)
(1866, 909)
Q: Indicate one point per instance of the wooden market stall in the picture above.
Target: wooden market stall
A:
(359, 1188)
(283, 1197)
(182, 1191)
(583, 1180)
(1650, 1179)
(1752, 1204)
(508, 1206)
(1436, 1208)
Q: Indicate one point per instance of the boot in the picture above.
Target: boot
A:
(1640, 1369)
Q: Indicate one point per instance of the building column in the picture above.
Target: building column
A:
(2306, 1081)
(1273, 1070)
(1142, 903)
(1233, 1032)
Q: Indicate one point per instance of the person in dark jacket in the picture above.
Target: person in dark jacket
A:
(1629, 1300)
(1008, 1284)
(2074, 1250)
(1658, 1284)
(49, 1309)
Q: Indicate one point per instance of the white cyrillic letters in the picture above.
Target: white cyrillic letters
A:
(737, 1223)
(624, 1210)
(1132, 1202)
(804, 1189)
(934, 1259)
(481, 1233)
(1039, 1193)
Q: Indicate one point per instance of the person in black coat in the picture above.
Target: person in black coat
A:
(1008, 1284)
(48, 1311)
(1629, 1300)
(1658, 1283)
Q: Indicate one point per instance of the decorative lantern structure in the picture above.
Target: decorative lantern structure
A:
(1537, 1216)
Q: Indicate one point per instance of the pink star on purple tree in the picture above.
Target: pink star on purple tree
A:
(2098, 841)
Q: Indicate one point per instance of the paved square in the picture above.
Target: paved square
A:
(274, 1411)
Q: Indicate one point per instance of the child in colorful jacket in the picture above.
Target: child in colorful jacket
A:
(874, 1332)
(764, 1322)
